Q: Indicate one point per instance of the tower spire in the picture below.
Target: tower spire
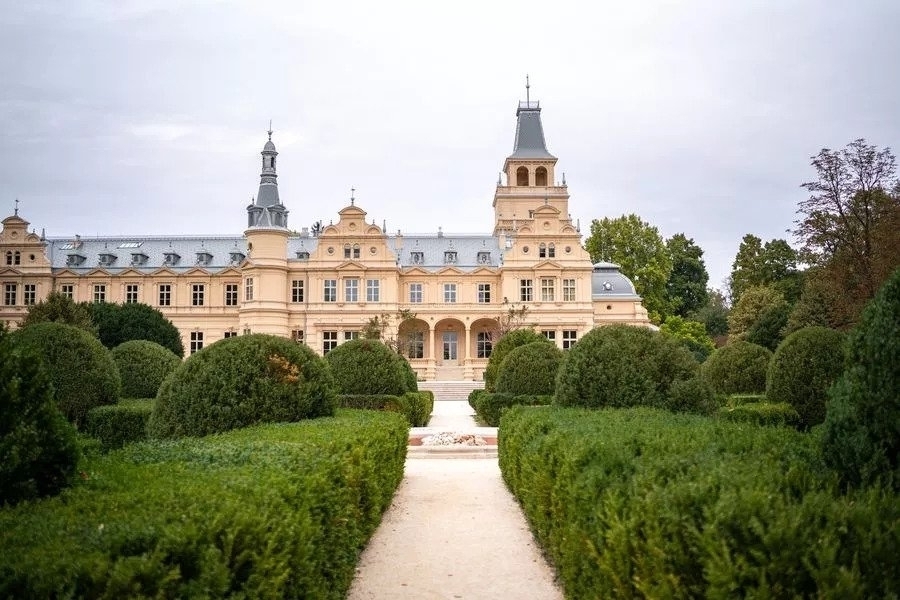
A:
(270, 130)
(527, 90)
(17, 207)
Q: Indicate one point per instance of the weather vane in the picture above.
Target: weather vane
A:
(527, 91)
(270, 130)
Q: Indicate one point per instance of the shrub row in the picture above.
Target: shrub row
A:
(415, 406)
(119, 424)
(761, 413)
(489, 406)
(642, 503)
(274, 511)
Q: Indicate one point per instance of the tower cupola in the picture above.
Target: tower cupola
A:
(267, 211)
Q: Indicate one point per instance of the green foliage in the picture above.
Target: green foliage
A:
(119, 424)
(756, 265)
(813, 307)
(761, 413)
(81, 369)
(640, 503)
(738, 368)
(490, 406)
(694, 395)
(276, 511)
(862, 427)
(505, 345)
(38, 449)
(691, 334)
(119, 323)
(412, 382)
(767, 330)
(804, 366)
(753, 304)
(242, 381)
(714, 314)
(686, 287)
(415, 406)
(622, 365)
(143, 366)
(56, 308)
(368, 366)
(639, 250)
(474, 395)
(530, 369)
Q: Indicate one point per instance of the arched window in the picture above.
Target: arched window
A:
(17, 258)
(522, 176)
(9, 257)
(540, 176)
(273, 162)
(551, 250)
(346, 250)
(542, 250)
(355, 250)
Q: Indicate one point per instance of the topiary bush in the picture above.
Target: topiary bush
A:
(861, 438)
(802, 369)
(241, 381)
(505, 345)
(143, 365)
(530, 369)
(119, 424)
(412, 382)
(38, 447)
(693, 395)
(490, 406)
(738, 368)
(622, 365)
(368, 367)
(81, 369)
(119, 323)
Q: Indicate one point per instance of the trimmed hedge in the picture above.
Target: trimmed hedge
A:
(506, 344)
(81, 369)
(415, 406)
(490, 406)
(367, 367)
(761, 413)
(804, 366)
(473, 397)
(119, 424)
(643, 503)
(622, 365)
(530, 369)
(275, 511)
(119, 323)
(738, 368)
(241, 381)
(693, 395)
(143, 365)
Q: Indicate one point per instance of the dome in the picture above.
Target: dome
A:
(607, 282)
(269, 147)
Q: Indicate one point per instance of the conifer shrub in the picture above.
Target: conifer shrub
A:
(530, 369)
(242, 381)
(83, 373)
(622, 365)
(861, 438)
(143, 365)
(694, 395)
(367, 366)
(115, 425)
(738, 368)
(38, 446)
(505, 345)
(802, 369)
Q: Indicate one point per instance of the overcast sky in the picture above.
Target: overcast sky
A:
(699, 116)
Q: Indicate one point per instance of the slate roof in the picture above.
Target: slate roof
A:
(608, 282)
(472, 251)
(529, 142)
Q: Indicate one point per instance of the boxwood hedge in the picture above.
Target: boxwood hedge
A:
(490, 406)
(738, 368)
(415, 406)
(506, 344)
(115, 425)
(367, 366)
(143, 365)
(530, 369)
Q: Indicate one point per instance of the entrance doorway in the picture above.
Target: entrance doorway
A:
(450, 343)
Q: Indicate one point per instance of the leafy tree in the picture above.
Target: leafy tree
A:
(118, 323)
(753, 304)
(768, 330)
(691, 334)
(382, 327)
(714, 315)
(686, 287)
(57, 308)
(772, 263)
(814, 308)
(849, 223)
(639, 250)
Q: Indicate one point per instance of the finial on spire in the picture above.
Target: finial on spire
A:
(270, 130)
(352, 196)
(527, 90)
(17, 207)
(564, 178)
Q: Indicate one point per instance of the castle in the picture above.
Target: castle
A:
(322, 288)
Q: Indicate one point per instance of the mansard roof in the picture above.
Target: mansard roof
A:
(529, 141)
(471, 251)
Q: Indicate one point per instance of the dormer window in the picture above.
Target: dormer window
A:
(484, 258)
(417, 258)
(171, 259)
(237, 257)
(107, 259)
(138, 258)
(450, 257)
(303, 255)
(204, 258)
(73, 260)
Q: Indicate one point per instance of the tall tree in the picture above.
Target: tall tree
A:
(60, 309)
(714, 315)
(686, 287)
(639, 250)
(753, 305)
(772, 263)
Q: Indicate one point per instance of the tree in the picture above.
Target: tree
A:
(57, 308)
(639, 250)
(756, 264)
(815, 306)
(754, 303)
(714, 315)
(512, 319)
(382, 327)
(118, 323)
(849, 223)
(686, 287)
(691, 334)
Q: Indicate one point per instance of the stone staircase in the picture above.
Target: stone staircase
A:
(451, 390)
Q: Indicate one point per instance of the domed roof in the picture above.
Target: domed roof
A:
(269, 146)
(607, 282)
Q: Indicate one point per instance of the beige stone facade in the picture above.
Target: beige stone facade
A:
(323, 288)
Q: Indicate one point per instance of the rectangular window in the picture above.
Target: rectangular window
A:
(9, 295)
(526, 290)
(450, 293)
(231, 294)
(484, 293)
(30, 294)
(248, 289)
(198, 290)
(415, 293)
(417, 258)
(549, 334)
(351, 290)
(297, 335)
(330, 290)
(329, 341)
(297, 290)
(165, 294)
(99, 292)
(483, 345)
(196, 341)
(450, 257)
(67, 290)
(373, 290)
(568, 290)
(416, 345)
(547, 289)
(351, 335)
(131, 293)
(569, 338)
(230, 334)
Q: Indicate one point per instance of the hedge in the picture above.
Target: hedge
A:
(761, 413)
(273, 511)
(643, 503)
(143, 365)
(506, 344)
(490, 406)
(367, 366)
(119, 424)
(738, 368)
(473, 397)
(415, 406)
(530, 369)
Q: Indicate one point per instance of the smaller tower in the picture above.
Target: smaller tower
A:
(267, 211)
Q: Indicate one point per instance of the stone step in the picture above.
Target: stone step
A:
(451, 390)
(451, 452)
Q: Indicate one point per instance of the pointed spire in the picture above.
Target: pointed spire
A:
(16, 213)
(352, 196)
(527, 90)
(266, 210)
(270, 130)
(529, 141)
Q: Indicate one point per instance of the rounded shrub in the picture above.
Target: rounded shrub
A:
(367, 366)
(738, 368)
(505, 345)
(38, 447)
(530, 369)
(119, 323)
(622, 365)
(82, 371)
(694, 395)
(241, 381)
(412, 382)
(802, 369)
(143, 365)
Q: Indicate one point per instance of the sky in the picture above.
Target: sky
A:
(128, 117)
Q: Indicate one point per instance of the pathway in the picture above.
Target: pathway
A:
(453, 530)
